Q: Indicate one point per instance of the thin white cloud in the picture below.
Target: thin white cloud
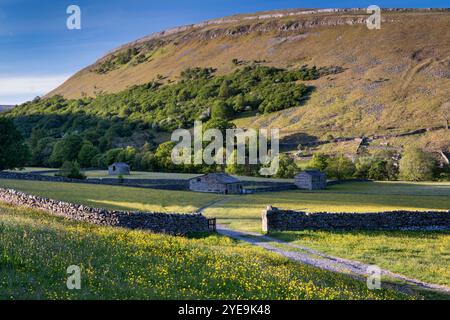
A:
(30, 85)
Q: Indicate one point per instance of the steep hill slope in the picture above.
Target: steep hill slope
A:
(395, 78)
(322, 77)
(5, 108)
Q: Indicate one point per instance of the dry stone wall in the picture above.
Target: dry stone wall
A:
(169, 184)
(177, 224)
(162, 184)
(274, 219)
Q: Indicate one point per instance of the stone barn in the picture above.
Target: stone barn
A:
(311, 180)
(119, 168)
(216, 183)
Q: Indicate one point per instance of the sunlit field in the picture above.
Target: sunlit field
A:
(36, 250)
(422, 255)
(115, 197)
(30, 169)
(244, 212)
(102, 174)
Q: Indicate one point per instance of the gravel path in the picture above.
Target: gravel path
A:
(323, 261)
(305, 255)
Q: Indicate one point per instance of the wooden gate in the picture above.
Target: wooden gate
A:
(212, 224)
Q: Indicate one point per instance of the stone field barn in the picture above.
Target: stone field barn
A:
(119, 168)
(216, 183)
(311, 180)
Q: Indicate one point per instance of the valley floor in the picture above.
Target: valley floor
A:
(37, 248)
(356, 269)
(421, 255)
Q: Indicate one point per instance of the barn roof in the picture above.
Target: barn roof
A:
(120, 164)
(312, 172)
(220, 178)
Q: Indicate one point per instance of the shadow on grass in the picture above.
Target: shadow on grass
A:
(385, 202)
(200, 235)
(292, 236)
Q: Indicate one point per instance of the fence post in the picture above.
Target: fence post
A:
(212, 226)
(265, 225)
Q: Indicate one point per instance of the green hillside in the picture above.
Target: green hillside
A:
(395, 78)
(316, 76)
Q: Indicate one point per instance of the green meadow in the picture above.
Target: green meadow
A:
(244, 212)
(421, 255)
(115, 197)
(37, 248)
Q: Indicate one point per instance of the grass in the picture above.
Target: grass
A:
(422, 255)
(396, 188)
(168, 175)
(244, 213)
(30, 169)
(141, 175)
(36, 250)
(115, 197)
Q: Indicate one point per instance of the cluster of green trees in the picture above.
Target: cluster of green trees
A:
(129, 56)
(119, 59)
(341, 167)
(73, 151)
(92, 126)
(71, 169)
(415, 165)
(14, 152)
(153, 108)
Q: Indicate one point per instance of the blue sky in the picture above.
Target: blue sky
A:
(38, 52)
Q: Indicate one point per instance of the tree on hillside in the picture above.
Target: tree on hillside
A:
(66, 149)
(42, 152)
(362, 167)
(99, 161)
(287, 167)
(416, 165)
(340, 168)
(163, 156)
(220, 124)
(241, 169)
(128, 155)
(379, 170)
(225, 90)
(239, 103)
(221, 110)
(87, 153)
(376, 168)
(112, 156)
(14, 153)
(319, 161)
